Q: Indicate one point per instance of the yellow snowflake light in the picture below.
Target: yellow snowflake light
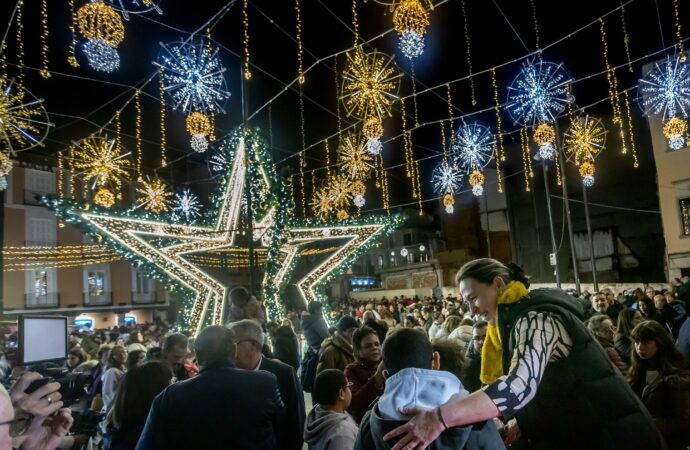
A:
(104, 198)
(370, 84)
(321, 203)
(96, 20)
(340, 191)
(154, 196)
(101, 162)
(410, 15)
(584, 140)
(356, 163)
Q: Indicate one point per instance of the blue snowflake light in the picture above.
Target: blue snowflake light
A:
(538, 94)
(666, 89)
(411, 44)
(474, 145)
(101, 56)
(187, 206)
(135, 6)
(193, 76)
(446, 179)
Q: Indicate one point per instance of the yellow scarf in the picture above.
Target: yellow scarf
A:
(492, 351)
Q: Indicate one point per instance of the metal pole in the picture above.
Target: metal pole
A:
(554, 250)
(571, 238)
(592, 260)
(488, 231)
(247, 186)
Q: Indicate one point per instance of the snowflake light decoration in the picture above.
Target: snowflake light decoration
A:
(193, 76)
(100, 161)
(446, 179)
(410, 20)
(154, 196)
(666, 89)
(354, 158)
(321, 203)
(411, 44)
(186, 206)
(24, 121)
(539, 93)
(101, 56)
(135, 6)
(340, 191)
(474, 145)
(584, 140)
(370, 84)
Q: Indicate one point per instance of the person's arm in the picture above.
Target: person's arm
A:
(539, 337)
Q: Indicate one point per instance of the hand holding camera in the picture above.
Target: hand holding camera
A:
(41, 401)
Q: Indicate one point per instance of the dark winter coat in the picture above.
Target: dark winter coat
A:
(291, 393)
(582, 402)
(668, 400)
(315, 329)
(364, 388)
(624, 347)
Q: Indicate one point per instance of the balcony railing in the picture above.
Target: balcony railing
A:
(50, 300)
(103, 299)
(141, 298)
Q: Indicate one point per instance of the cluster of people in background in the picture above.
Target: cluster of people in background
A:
(493, 368)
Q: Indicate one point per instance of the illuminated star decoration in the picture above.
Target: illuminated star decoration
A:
(583, 142)
(446, 179)
(370, 84)
(135, 6)
(666, 89)
(23, 119)
(539, 93)
(186, 206)
(474, 145)
(193, 76)
(154, 196)
(355, 161)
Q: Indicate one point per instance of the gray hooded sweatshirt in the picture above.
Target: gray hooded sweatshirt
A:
(329, 430)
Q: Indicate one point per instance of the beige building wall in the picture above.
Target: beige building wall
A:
(673, 178)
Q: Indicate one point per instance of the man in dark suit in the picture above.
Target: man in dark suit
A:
(250, 340)
(222, 407)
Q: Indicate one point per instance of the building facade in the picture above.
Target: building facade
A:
(42, 273)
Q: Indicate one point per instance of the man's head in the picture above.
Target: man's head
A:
(239, 297)
(331, 390)
(659, 302)
(346, 326)
(249, 339)
(599, 303)
(175, 348)
(214, 344)
(426, 313)
(608, 293)
(451, 355)
(479, 335)
(368, 315)
(408, 348)
(650, 292)
(366, 345)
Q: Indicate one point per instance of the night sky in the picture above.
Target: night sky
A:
(81, 100)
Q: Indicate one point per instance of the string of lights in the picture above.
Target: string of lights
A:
(137, 133)
(467, 48)
(300, 67)
(45, 72)
(71, 55)
(626, 37)
(245, 23)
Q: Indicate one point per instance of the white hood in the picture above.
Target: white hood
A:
(418, 388)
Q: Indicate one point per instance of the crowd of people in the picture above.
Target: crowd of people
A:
(497, 367)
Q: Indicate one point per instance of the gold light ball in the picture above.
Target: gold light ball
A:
(198, 123)
(476, 177)
(675, 127)
(99, 21)
(359, 188)
(448, 200)
(5, 164)
(104, 198)
(410, 15)
(373, 128)
(587, 169)
(544, 134)
(342, 214)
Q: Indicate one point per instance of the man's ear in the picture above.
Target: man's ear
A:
(436, 361)
(341, 394)
(499, 283)
(385, 374)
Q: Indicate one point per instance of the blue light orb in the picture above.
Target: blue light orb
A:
(193, 76)
(474, 145)
(101, 56)
(538, 94)
(666, 89)
(446, 178)
(411, 44)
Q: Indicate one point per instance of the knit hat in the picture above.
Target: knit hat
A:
(345, 323)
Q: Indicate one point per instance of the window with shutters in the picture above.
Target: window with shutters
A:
(41, 287)
(37, 182)
(143, 289)
(41, 231)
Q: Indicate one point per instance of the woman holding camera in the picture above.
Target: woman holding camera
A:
(541, 367)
